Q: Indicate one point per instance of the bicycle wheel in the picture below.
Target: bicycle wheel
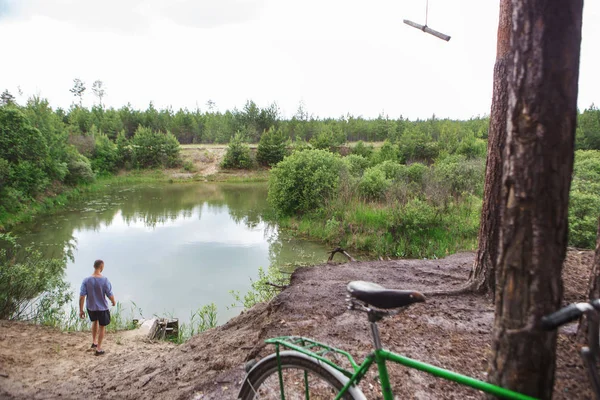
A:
(300, 372)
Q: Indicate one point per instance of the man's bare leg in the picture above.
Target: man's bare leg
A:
(101, 331)
(94, 332)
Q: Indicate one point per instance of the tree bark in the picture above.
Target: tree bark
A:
(537, 168)
(482, 277)
(594, 287)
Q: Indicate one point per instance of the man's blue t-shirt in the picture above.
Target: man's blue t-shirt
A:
(96, 289)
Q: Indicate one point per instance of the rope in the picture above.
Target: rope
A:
(426, 11)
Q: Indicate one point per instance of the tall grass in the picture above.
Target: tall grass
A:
(203, 319)
(415, 229)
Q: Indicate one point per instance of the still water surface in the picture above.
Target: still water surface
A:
(171, 248)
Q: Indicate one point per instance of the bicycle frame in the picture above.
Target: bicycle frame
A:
(380, 357)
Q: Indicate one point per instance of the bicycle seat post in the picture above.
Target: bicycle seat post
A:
(373, 318)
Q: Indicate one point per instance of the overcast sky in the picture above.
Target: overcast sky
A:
(336, 56)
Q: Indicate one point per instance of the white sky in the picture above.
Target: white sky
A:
(337, 56)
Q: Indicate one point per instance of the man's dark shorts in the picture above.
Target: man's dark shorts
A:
(103, 317)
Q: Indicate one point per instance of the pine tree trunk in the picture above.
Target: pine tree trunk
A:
(538, 163)
(482, 277)
(594, 287)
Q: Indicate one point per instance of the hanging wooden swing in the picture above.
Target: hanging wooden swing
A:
(425, 28)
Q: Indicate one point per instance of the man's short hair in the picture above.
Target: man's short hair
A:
(98, 263)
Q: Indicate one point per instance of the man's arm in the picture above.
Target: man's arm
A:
(81, 312)
(109, 293)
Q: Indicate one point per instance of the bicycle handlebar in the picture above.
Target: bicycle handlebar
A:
(564, 315)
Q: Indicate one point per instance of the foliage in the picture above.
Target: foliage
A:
(584, 203)
(22, 283)
(272, 147)
(588, 129)
(363, 150)
(262, 289)
(6, 98)
(328, 138)
(304, 181)
(78, 89)
(105, 158)
(124, 152)
(202, 319)
(238, 153)
(387, 152)
(356, 164)
(374, 184)
(25, 156)
(460, 174)
(151, 149)
(79, 169)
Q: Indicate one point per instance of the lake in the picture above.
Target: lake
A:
(171, 248)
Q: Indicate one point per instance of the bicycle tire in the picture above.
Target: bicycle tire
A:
(262, 382)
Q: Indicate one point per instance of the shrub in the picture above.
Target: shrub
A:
(415, 172)
(79, 167)
(272, 147)
(361, 149)
(584, 210)
(238, 153)
(461, 175)
(584, 205)
(25, 153)
(84, 143)
(28, 177)
(152, 149)
(356, 164)
(392, 169)
(472, 148)
(105, 156)
(124, 153)
(304, 181)
(328, 138)
(374, 184)
(387, 152)
(22, 282)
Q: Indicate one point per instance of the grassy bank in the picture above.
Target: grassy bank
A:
(411, 230)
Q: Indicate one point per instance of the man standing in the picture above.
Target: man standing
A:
(97, 288)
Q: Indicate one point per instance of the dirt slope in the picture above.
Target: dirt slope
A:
(452, 332)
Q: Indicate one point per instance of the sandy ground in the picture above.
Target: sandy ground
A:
(451, 332)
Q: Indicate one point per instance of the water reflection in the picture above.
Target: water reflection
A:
(171, 248)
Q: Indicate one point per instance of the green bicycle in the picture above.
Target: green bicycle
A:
(299, 368)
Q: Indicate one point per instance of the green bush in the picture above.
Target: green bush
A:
(584, 205)
(392, 169)
(373, 184)
(272, 147)
(79, 169)
(361, 149)
(106, 155)
(28, 177)
(22, 282)
(472, 148)
(25, 153)
(124, 152)
(460, 175)
(415, 145)
(416, 172)
(584, 210)
(238, 153)
(152, 149)
(304, 181)
(387, 152)
(356, 164)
